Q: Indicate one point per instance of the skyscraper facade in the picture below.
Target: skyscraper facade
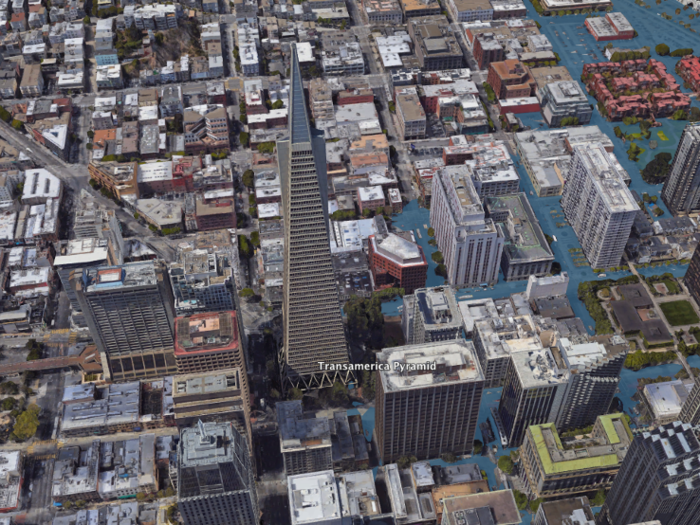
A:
(313, 326)
(659, 480)
(595, 373)
(681, 192)
(426, 412)
(534, 390)
(215, 478)
(690, 411)
(598, 205)
(129, 310)
(692, 277)
(471, 244)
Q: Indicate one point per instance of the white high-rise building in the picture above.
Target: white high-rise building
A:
(598, 205)
(471, 244)
(681, 192)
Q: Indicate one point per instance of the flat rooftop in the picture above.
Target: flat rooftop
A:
(298, 430)
(437, 307)
(585, 454)
(538, 368)
(607, 176)
(496, 507)
(314, 498)
(426, 365)
(204, 445)
(666, 399)
(129, 275)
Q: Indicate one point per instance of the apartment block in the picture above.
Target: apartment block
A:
(598, 205)
(471, 244)
(470, 10)
(681, 191)
(32, 84)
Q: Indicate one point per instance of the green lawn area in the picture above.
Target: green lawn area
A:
(636, 136)
(679, 313)
(662, 135)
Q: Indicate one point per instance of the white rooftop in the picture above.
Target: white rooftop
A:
(313, 498)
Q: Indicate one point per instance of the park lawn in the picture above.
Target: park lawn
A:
(679, 313)
(636, 136)
(661, 135)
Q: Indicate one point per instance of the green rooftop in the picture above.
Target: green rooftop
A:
(588, 457)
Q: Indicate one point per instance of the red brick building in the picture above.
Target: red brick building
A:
(689, 70)
(395, 261)
(487, 49)
(355, 96)
(511, 79)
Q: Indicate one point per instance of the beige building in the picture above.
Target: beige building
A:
(32, 84)
(411, 116)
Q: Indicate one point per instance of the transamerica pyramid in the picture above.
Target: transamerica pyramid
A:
(313, 326)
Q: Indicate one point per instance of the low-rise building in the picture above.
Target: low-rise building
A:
(526, 251)
(586, 465)
(412, 121)
(564, 102)
(395, 261)
(305, 441)
(431, 314)
(571, 510)
(511, 79)
(32, 84)
(11, 479)
(470, 10)
(76, 474)
(435, 45)
(383, 11)
(614, 26)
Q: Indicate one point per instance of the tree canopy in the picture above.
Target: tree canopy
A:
(26, 424)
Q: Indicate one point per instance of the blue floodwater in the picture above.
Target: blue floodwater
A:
(576, 47)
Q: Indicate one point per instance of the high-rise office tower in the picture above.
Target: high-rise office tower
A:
(598, 205)
(659, 480)
(534, 390)
(427, 400)
(595, 373)
(692, 277)
(681, 192)
(215, 478)
(313, 326)
(129, 310)
(690, 411)
(471, 244)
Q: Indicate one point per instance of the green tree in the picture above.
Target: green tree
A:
(160, 38)
(405, 461)
(295, 394)
(244, 139)
(520, 499)
(431, 232)
(437, 257)
(266, 147)
(441, 270)
(249, 178)
(8, 387)
(255, 238)
(478, 445)
(662, 49)
(277, 104)
(26, 424)
(598, 499)
(448, 457)
(246, 292)
(505, 464)
(9, 403)
(244, 247)
(17, 124)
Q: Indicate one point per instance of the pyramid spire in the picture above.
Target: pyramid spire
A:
(299, 131)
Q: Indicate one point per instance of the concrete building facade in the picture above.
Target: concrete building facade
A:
(681, 191)
(598, 205)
